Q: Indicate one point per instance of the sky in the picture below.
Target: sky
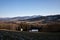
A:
(13, 8)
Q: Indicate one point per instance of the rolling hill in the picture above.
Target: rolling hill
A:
(34, 18)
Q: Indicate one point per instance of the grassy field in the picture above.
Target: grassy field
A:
(14, 35)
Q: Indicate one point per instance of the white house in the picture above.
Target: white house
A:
(33, 30)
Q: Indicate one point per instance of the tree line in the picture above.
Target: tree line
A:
(49, 27)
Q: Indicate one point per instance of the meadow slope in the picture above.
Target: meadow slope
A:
(16, 35)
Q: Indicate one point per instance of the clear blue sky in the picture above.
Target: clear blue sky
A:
(12, 8)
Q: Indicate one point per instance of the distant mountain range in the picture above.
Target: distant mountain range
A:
(18, 18)
(33, 18)
(45, 19)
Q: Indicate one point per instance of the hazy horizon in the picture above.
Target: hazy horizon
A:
(14, 8)
(30, 15)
